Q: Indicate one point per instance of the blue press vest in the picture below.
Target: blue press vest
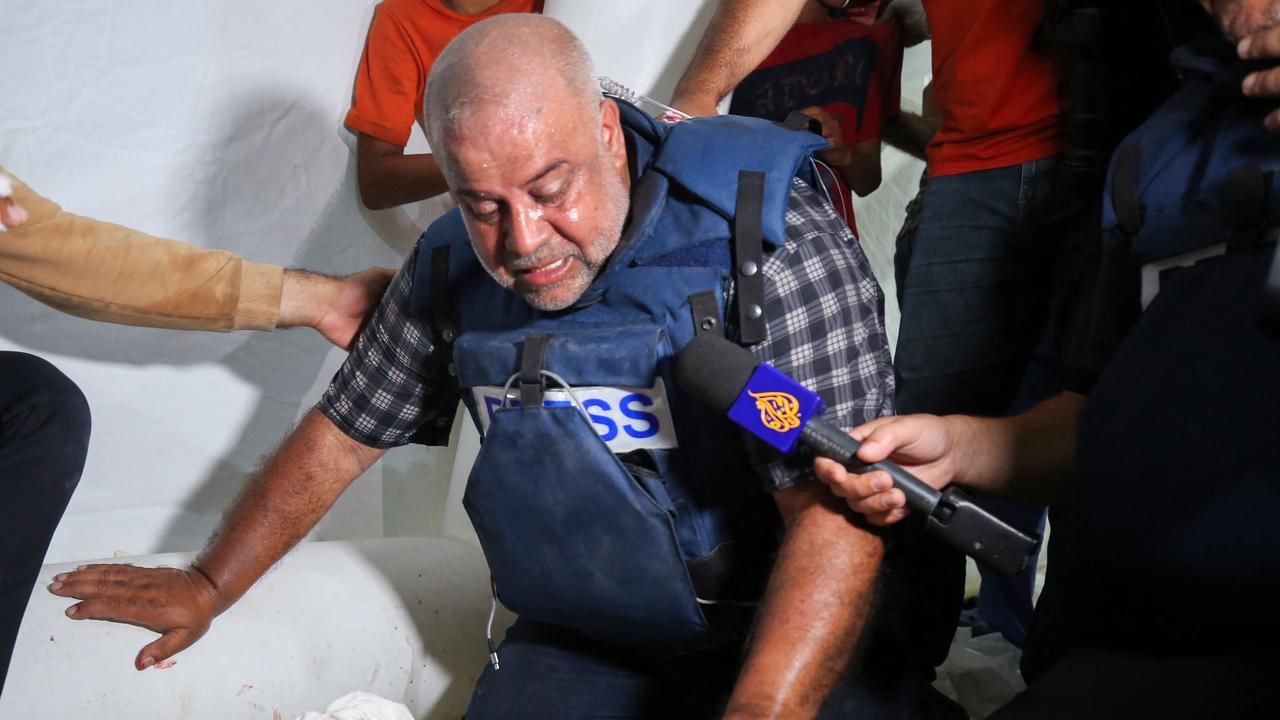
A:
(1178, 453)
(622, 547)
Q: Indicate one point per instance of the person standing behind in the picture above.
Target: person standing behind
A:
(842, 72)
(404, 40)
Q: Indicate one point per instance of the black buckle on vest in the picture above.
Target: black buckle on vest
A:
(748, 256)
(706, 313)
(531, 363)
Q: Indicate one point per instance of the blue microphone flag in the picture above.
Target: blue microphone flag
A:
(775, 408)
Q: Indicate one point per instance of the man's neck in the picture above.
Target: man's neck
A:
(470, 7)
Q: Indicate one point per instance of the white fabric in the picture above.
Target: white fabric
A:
(361, 706)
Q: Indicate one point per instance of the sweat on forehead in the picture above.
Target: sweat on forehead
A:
(516, 61)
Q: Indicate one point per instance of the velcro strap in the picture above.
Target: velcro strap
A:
(531, 386)
(748, 256)
(705, 312)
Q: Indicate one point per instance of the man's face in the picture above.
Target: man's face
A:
(544, 195)
(1241, 18)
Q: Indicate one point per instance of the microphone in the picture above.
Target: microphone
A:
(784, 413)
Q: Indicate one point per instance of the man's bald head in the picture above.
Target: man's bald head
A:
(515, 64)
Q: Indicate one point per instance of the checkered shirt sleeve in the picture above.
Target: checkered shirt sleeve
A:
(388, 392)
(825, 314)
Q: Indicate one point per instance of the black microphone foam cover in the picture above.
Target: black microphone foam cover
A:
(714, 370)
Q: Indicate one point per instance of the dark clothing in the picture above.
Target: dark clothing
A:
(543, 668)
(1108, 683)
(1163, 604)
(44, 435)
(987, 268)
(995, 254)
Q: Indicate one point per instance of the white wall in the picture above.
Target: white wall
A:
(217, 122)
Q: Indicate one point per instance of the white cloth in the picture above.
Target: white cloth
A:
(361, 706)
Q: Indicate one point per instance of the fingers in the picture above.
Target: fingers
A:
(165, 600)
(1272, 121)
(1265, 44)
(11, 213)
(1262, 82)
(164, 647)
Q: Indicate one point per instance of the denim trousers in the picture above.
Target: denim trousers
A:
(551, 673)
(44, 435)
(989, 269)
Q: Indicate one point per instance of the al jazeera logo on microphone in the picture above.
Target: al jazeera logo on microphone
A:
(775, 408)
(779, 411)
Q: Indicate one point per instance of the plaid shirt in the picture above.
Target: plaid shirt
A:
(825, 329)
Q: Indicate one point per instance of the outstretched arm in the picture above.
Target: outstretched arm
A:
(741, 35)
(110, 273)
(294, 488)
(1028, 456)
(819, 597)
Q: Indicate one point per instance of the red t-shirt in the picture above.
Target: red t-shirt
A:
(998, 95)
(848, 68)
(404, 40)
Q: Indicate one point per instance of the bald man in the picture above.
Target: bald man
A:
(633, 531)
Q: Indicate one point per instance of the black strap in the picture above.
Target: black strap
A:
(1269, 315)
(705, 312)
(444, 317)
(1247, 193)
(800, 122)
(1124, 189)
(748, 256)
(531, 363)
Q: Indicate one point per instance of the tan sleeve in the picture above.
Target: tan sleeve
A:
(106, 272)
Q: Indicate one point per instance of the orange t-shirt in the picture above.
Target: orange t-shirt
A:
(998, 95)
(405, 39)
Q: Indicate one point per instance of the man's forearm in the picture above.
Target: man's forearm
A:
(911, 133)
(294, 488)
(110, 273)
(741, 34)
(388, 177)
(1029, 456)
(819, 598)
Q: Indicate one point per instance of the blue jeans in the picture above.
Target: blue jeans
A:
(44, 435)
(988, 268)
(549, 673)
(991, 263)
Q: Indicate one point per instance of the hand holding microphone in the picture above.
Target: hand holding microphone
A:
(923, 445)
(784, 414)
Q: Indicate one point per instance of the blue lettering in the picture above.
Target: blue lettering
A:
(610, 427)
(491, 404)
(650, 420)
